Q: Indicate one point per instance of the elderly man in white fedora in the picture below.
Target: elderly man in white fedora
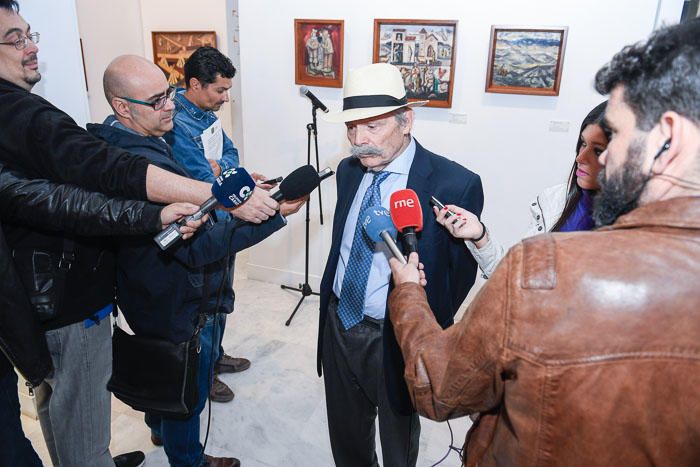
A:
(357, 351)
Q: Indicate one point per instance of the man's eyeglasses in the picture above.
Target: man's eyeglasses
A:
(157, 103)
(23, 42)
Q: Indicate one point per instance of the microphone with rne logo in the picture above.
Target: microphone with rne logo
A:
(231, 189)
(377, 223)
(407, 216)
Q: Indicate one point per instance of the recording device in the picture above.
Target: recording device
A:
(300, 182)
(232, 188)
(314, 100)
(435, 202)
(377, 223)
(407, 215)
(272, 181)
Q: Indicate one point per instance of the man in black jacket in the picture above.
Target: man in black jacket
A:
(66, 208)
(70, 279)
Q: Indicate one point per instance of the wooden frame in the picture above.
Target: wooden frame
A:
(318, 52)
(428, 69)
(171, 49)
(505, 75)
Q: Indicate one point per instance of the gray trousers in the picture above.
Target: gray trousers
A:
(73, 402)
(353, 375)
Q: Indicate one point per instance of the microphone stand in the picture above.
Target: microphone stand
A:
(305, 288)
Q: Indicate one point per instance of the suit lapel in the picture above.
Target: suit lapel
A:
(420, 182)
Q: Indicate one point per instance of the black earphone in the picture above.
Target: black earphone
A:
(665, 147)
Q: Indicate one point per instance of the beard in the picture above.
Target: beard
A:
(620, 192)
(365, 151)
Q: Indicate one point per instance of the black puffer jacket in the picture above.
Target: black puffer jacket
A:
(39, 203)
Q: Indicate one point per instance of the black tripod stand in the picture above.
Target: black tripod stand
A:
(305, 288)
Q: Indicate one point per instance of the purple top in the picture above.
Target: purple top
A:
(581, 218)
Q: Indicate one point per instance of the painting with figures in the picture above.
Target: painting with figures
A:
(526, 61)
(319, 52)
(424, 52)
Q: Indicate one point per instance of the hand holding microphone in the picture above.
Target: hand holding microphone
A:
(231, 190)
(411, 271)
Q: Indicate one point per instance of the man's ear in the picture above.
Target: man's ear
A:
(195, 84)
(121, 107)
(668, 141)
(409, 115)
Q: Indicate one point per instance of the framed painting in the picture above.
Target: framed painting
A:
(318, 45)
(424, 51)
(172, 49)
(526, 60)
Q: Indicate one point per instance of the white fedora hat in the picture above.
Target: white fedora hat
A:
(371, 91)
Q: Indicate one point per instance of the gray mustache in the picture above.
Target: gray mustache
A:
(364, 151)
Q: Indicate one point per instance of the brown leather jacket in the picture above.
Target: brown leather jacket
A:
(583, 349)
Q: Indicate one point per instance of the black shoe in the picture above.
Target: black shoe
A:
(130, 459)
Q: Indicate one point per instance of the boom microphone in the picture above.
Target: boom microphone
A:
(231, 189)
(304, 91)
(377, 223)
(300, 182)
(407, 216)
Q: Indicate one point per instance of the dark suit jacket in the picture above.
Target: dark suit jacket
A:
(449, 267)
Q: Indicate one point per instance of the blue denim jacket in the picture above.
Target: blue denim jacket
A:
(186, 141)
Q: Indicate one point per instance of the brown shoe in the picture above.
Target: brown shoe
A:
(210, 461)
(219, 392)
(228, 364)
(156, 440)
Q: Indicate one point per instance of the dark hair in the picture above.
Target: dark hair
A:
(205, 63)
(10, 5)
(573, 191)
(658, 75)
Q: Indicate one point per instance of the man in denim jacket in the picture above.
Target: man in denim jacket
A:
(200, 145)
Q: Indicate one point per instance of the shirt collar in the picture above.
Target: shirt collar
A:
(183, 103)
(402, 164)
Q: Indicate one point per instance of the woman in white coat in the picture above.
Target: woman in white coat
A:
(561, 208)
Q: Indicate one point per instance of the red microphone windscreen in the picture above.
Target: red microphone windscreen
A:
(405, 210)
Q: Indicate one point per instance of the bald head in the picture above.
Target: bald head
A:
(126, 75)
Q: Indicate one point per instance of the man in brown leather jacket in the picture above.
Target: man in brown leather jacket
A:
(582, 348)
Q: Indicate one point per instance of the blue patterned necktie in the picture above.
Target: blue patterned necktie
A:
(352, 292)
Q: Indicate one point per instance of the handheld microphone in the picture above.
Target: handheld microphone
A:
(300, 182)
(407, 215)
(314, 100)
(377, 223)
(232, 188)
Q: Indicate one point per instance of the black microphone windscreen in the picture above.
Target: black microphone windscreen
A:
(300, 182)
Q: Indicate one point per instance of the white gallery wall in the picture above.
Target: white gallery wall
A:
(505, 139)
(60, 63)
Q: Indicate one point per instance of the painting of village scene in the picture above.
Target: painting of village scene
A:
(526, 61)
(172, 49)
(319, 52)
(424, 52)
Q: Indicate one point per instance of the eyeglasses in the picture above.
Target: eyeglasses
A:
(23, 42)
(158, 103)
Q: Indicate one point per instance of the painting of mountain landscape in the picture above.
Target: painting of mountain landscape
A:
(526, 61)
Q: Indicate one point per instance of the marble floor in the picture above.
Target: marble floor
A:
(278, 415)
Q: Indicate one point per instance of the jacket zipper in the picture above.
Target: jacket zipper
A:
(5, 350)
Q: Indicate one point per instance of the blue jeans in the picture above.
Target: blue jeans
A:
(15, 448)
(181, 437)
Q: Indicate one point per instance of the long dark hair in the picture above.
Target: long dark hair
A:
(573, 191)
